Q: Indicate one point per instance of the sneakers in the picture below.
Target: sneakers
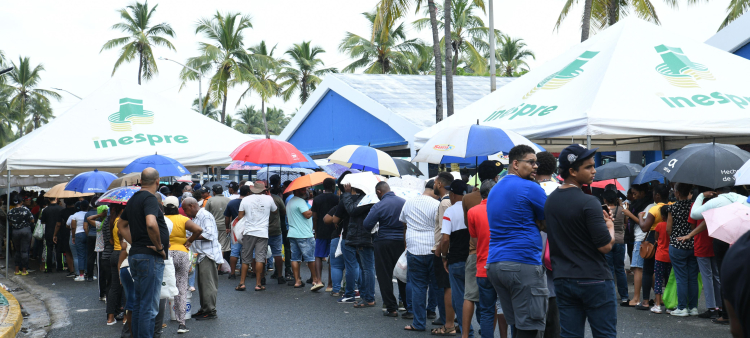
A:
(182, 329)
(112, 323)
(680, 313)
(694, 312)
(79, 279)
(431, 314)
(206, 317)
(281, 280)
(346, 300)
(656, 309)
(401, 306)
(71, 274)
(103, 299)
(356, 294)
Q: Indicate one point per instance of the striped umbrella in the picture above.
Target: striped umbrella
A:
(366, 159)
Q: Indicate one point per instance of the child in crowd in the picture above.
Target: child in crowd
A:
(662, 265)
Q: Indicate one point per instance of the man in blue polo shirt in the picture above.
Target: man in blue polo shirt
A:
(515, 210)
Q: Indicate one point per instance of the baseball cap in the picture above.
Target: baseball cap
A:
(204, 190)
(217, 189)
(173, 201)
(487, 170)
(164, 190)
(258, 187)
(234, 185)
(572, 153)
(457, 187)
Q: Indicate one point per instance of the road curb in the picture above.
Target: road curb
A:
(13, 321)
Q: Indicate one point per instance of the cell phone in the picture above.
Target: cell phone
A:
(605, 208)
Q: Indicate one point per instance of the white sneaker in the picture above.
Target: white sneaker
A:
(94, 277)
(79, 279)
(694, 311)
(680, 312)
(656, 309)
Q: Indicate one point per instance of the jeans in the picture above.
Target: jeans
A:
(487, 300)
(711, 284)
(74, 254)
(436, 294)
(685, 268)
(91, 256)
(21, 242)
(337, 265)
(148, 272)
(367, 259)
(352, 269)
(128, 288)
(457, 275)
(616, 261)
(419, 276)
(582, 299)
(82, 251)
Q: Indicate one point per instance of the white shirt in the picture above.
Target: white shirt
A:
(637, 232)
(453, 219)
(80, 217)
(257, 210)
(549, 186)
(207, 248)
(420, 214)
(234, 197)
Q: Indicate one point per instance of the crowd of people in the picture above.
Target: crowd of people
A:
(530, 250)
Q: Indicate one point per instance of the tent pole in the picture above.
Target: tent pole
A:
(7, 225)
(588, 141)
(661, 146)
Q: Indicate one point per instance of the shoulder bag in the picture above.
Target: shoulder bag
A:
(39, 228)
(648, 250)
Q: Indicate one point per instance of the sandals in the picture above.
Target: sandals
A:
(411, 328)
(444, 331)
(299, 286)
(240, 287)
(364, 304)
(260, 288)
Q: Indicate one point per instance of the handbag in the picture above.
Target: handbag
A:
(169, 282)
(648, 249)
(39, 228)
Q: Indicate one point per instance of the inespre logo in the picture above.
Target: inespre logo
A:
(565, 75)
(131, 113)
(443, 147)
(679, 70)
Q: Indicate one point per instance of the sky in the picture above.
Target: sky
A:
(66, 36)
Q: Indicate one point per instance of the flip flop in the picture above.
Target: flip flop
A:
(240, 287)
(300, 286)
(260, 288)
(364, 304)
(411, 328)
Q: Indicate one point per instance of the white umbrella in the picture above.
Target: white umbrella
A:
(364, 181)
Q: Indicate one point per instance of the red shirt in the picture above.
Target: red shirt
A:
(703, 245)
(479, 228)
(662, 248)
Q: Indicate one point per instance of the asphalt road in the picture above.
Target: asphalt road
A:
(282, 311)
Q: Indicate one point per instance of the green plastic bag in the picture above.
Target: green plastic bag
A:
(670, 291)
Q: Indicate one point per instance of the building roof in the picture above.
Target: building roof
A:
(734, 36)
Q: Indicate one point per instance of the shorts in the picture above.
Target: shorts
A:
(522, 291)
(322, 248)
(236, 250)
(471, 289)
(441, 276)
(257, 244)
(302, 249)
(275, 243)
(637, 261)
(224, 241)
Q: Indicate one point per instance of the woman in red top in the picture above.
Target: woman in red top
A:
(662, 265)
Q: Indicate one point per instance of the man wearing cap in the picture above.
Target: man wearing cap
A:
(216, 206)
(255, 212)
(580, 235)
(230, 213)
(205, 195)
(454, 247)
(515, 211)
(487, 171)
(234, 190)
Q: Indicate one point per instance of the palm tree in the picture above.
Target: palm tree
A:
(6, 116)
(229, 121)
(605, 13)
(24, 80)
(421, 60)
(277, 120)
(40, 112)
(735, 10)
(140, 40)
(512, 54)
(387, 54)
(220, 56)
(250, 121)
(209, 110)
(305, 75)
(261, 70)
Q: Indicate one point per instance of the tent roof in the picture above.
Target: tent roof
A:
(115, 125)
(631, 87)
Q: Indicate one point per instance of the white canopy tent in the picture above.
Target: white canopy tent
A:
(634, 86)
(115, 125)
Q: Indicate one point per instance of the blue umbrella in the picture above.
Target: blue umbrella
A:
(648, 174)
(91, 182)
(164, 165)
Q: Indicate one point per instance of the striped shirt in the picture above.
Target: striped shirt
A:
(210, 247)
(420, 216)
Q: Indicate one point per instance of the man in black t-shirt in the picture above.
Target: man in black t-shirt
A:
(321, 205)
(580, 233)
(142, 224)
(61, 236)
(50, 217)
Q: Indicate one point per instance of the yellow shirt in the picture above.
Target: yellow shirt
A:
(178, 237)
(656, 212)
(115, 237)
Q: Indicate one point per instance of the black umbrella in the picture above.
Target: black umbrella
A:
(613, 170)
(710, 164)
(407, 168)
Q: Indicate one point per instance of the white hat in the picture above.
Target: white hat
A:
(172, 200)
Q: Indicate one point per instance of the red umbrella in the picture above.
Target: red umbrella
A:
(605, 183)
(267, 151)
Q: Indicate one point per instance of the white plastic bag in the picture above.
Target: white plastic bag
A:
(169, 283)
(400, 270)
(338, 248)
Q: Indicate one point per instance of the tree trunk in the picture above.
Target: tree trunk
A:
(224, 107)
(140, 66)
(263, 113)
(448, 57)
(455, 57)
(586, 24)
(438, 62)
(612, 12)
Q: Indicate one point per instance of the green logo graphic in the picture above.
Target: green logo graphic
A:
(131, 112)
(565, 75)
(679, 70)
